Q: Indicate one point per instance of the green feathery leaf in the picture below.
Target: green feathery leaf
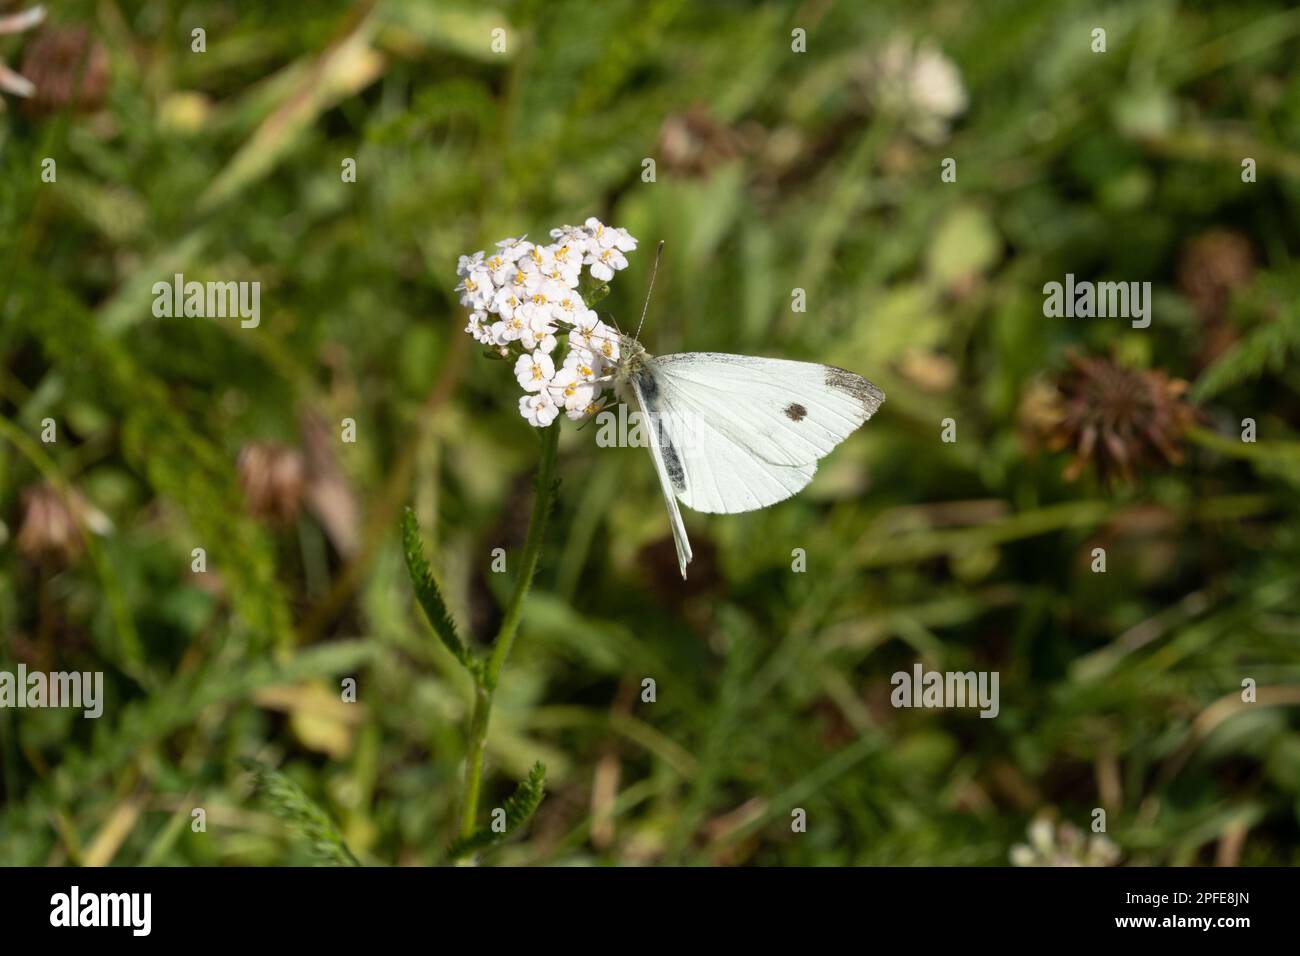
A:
(1269, 346)
(519, 808)
(304, 816)
(426, 590)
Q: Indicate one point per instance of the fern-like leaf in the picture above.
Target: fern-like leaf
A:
(1270, 346)
(426, 591)
(303, 816)
(519, 808)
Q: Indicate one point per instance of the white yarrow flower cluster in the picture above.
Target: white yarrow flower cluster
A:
(523, 297)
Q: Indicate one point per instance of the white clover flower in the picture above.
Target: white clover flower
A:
(936, 84)
(535, 371)
(540, 410)
(920, 85)
(1063, 845)
(11, 82)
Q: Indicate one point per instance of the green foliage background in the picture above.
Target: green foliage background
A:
(1119, 690)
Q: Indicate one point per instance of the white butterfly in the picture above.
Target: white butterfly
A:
(731, 433)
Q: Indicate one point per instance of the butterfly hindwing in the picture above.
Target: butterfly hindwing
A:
(666, 458)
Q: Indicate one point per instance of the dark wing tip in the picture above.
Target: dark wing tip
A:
(851, 383)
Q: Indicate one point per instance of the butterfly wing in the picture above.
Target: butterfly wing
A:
(666, 459)
(743, 433)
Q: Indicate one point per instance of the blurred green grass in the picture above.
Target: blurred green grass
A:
(775, 171)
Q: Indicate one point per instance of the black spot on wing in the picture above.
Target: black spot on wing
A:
(795, 412)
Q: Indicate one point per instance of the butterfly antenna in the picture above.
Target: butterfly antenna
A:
(653, 272)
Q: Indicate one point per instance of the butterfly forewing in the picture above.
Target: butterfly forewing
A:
(718, 472)
(783, 412)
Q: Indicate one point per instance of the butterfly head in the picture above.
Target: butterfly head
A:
(630, 350)
(631, 359)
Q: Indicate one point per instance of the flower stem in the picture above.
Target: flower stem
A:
(486, 677)
(474, 758)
